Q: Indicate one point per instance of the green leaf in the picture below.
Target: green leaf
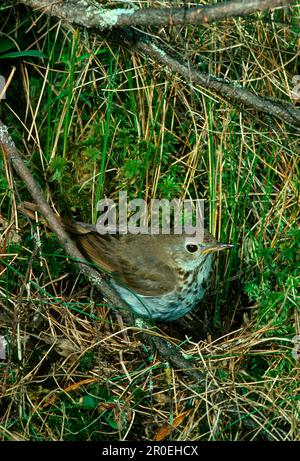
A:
(6, 45)
(113, 424)
(88, 402)
(24, 54)
(87, 55)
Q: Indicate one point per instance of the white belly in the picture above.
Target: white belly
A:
(167, 307)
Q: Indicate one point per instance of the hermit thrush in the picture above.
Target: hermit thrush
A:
(161, 277)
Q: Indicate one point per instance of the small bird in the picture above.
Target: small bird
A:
(161, 277)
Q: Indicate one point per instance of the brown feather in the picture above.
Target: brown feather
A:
(128, 263)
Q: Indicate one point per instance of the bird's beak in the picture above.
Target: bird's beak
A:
(218, 247)
(224, 246)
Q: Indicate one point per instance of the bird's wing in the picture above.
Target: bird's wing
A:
(131, 265)
(137, 266)
(146, 280)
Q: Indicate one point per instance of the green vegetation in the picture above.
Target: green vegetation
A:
(93, 118)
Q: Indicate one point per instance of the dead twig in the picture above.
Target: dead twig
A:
(93, 15)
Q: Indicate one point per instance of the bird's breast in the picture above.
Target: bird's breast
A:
(189, 290)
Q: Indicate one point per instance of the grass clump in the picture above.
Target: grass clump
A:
(93, 118)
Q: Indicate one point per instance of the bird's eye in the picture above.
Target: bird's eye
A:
(191, 248)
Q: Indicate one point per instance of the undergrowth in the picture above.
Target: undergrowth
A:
(92, 118)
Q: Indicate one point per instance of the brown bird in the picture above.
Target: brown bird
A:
(160, 277)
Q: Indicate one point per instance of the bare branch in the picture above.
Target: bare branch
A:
(84, 13)
(87, 14)
(237, 94)
(34, 189)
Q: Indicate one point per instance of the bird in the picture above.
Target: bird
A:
(161, 277)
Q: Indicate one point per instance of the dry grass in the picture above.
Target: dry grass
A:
(95, 119)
